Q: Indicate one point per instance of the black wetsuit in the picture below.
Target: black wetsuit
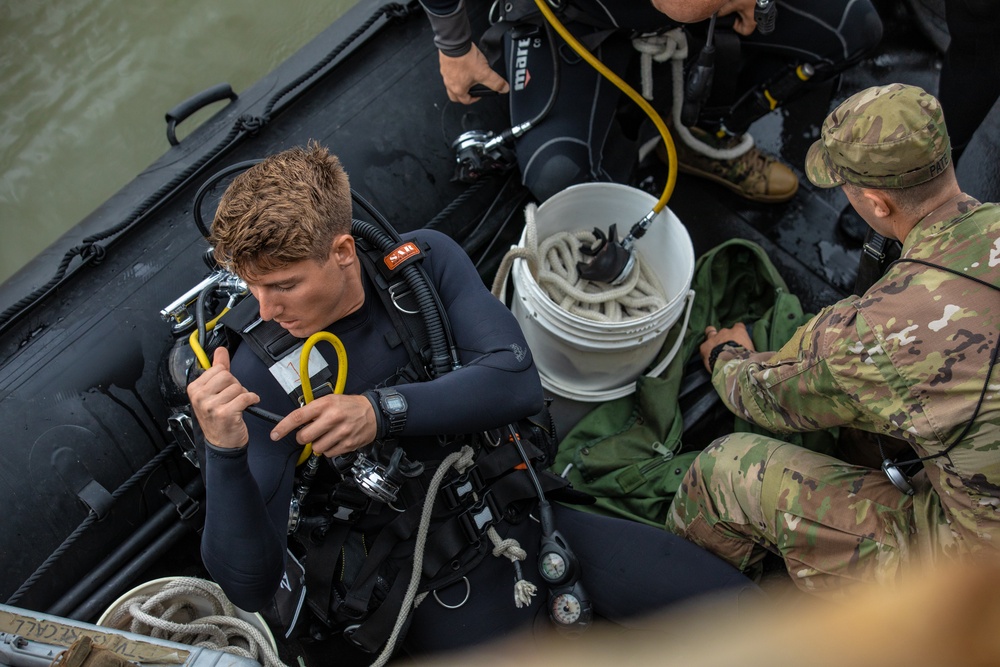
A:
(628, 568)
(579, 141)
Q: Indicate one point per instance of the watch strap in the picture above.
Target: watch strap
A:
(380, 421)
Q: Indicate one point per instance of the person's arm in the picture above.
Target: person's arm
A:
(461, 62)
(802, 386)
(498, 382)
(248, 482)
(243, 543)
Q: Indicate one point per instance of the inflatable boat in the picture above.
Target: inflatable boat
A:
(97, 481)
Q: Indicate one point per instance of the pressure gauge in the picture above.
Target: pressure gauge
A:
(552, 566)
(566, 608)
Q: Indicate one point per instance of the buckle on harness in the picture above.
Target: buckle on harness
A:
(874, 247)
(462, 487)
(478, 518)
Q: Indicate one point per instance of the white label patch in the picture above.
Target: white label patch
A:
(995, 254)
(286, 371)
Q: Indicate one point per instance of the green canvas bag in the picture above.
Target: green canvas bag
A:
(628, 453)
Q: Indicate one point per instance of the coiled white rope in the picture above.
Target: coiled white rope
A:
(171, 614)
(553, 264)
(673, 46)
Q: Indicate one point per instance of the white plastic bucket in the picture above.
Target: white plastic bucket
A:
(577, 357)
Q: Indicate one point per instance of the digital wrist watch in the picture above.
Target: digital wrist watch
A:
(713, 356)
(390, 411)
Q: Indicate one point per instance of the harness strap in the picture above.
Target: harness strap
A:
(878, 252)
(393, 295)
(321, 566)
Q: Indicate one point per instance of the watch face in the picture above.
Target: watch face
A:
(394, 403)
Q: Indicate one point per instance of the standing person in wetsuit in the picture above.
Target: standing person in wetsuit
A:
(579, 140)
(912, 361)
(284, 226)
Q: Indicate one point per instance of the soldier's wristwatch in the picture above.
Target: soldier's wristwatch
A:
(390, 411)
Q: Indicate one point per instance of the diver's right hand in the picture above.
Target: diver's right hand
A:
(218, 400)
(462, 73)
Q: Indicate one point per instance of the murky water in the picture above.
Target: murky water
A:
(84, 85)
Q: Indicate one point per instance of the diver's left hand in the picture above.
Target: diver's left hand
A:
(335, 424)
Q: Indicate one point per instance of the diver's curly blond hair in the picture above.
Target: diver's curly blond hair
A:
(285, 209)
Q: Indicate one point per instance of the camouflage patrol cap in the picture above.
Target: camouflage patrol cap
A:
(884, 137)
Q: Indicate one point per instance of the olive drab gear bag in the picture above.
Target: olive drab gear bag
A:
(629, 453)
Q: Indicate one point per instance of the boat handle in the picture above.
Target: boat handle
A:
(183, 110)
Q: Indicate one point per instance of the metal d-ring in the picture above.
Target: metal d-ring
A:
(468, 591)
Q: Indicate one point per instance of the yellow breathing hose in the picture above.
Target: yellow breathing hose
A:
(668, 141)
(307, 393)
(199, 351)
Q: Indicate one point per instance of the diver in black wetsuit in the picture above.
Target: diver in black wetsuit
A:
(283, 226)
(580, 140)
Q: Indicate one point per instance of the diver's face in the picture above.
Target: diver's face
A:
(307, 296)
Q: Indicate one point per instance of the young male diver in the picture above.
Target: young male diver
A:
(422, 485)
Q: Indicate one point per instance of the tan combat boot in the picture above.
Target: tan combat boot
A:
(754, 175)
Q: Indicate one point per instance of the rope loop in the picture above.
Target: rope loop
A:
(395, 11)
(93, 252)
(251, 124)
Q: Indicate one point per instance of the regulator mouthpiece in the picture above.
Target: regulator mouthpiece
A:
(611, 261)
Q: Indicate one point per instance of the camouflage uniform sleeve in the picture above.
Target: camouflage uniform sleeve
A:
(813, 382)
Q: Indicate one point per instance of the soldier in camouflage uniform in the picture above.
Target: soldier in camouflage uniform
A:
(910, 359)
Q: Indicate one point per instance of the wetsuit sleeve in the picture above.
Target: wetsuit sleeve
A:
(450, 23)
(811, 383)
(247, 495)
(497, 383)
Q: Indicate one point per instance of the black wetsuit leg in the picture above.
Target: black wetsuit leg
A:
(969, 83)
(577, 141)
(629, 570)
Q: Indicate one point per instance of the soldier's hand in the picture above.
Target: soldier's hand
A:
(737, 333)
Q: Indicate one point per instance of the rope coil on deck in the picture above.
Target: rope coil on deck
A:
(171, 614)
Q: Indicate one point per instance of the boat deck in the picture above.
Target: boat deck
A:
(89, 353)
